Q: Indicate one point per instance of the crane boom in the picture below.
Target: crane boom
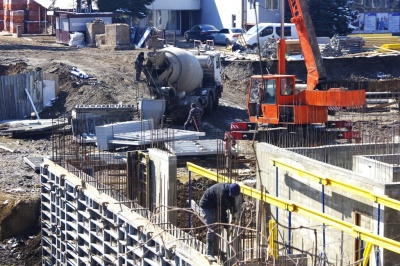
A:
(308, 42)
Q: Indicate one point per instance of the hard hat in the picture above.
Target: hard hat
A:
(234, 190)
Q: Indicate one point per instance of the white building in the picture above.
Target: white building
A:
(181, 15)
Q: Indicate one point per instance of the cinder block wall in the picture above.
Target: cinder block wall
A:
(342, 205)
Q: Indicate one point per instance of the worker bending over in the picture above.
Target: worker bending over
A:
(214, 204)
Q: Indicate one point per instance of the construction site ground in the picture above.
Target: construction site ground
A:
(112, 81)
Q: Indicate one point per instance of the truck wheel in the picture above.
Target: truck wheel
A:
(216, 102)
(209, 106)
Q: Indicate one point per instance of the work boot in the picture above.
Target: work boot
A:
(210, 251)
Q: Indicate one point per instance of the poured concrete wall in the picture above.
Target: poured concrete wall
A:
(339, 204)
(340, 155)
(163, 169)
(391, 230)
(381, 168)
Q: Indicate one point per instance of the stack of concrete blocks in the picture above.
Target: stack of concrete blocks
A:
(14, 15)
(106, 132)
(21, 16)
(1, 16)
(35, 17)
(117, 37)
(17, 22)
(6, 16)
(93, 29)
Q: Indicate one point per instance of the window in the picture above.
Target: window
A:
(286, 86)
(266, 31)
(288, 31)
(271, 4)
(270, 91)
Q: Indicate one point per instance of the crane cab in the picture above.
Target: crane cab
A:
(277, 99)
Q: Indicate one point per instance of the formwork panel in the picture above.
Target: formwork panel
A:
(82, 226)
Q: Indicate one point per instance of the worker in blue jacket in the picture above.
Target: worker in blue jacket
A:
(214, 204)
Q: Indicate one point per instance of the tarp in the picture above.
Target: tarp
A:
(61, 4)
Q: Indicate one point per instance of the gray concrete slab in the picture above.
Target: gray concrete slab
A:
(29, 127)
(34, 162)
(196, 147)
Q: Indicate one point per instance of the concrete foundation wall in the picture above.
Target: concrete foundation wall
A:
(391, 230)
(374, 169)
(339, 155)
(342, 205)
(163, 166)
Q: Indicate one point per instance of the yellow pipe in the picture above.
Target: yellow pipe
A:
(273, 237)
(381, 199)
(367, 252)
(288, 205)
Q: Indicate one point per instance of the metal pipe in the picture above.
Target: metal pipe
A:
(190, 199)
(276, 193)
(290, 233)
(323, 225)
(377, 248)
(33, 106)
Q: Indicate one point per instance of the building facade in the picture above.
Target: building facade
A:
(181, 15)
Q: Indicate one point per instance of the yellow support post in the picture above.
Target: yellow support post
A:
(349, 228)
(273, 237)
(367, 253)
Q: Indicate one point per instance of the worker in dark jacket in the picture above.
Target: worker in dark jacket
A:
(194, 119)
(139, 65)
(214, 205)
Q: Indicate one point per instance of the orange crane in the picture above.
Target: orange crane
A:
(275, 100)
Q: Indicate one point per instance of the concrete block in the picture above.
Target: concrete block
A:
(117, 34)
(94, 28)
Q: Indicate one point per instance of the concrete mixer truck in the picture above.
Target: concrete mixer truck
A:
(182, 77)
